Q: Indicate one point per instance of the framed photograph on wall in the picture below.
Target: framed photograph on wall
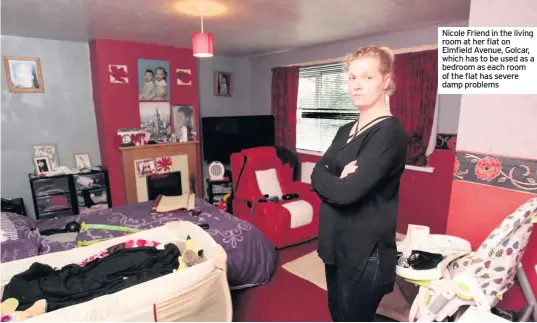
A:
(223, 83)
(23, 74)
(155, 119)
(42, 165)
(153, 80)
(50, 151)
(183, 122)
(82, 161)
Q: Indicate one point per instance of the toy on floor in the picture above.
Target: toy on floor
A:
(76, 227)
(9, 306)
(191, 256)
(86, 226)
(69, 228)
(85, 243)
(10, 313)
(222, 204)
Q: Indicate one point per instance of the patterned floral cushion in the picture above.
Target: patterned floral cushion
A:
(494, 264)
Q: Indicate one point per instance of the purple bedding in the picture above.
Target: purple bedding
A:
(251, 257)
(19, 240)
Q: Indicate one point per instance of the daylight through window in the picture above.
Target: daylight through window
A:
(323, 105)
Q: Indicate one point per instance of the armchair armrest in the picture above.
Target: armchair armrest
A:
(246, 197)
(298, 187)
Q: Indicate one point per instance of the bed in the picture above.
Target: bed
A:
(198, 293)
(251, 259)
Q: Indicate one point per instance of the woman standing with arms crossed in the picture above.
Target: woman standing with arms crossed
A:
(358, 180)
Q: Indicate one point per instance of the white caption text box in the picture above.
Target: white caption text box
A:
(487, 60)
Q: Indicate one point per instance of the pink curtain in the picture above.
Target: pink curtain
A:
(284, 104)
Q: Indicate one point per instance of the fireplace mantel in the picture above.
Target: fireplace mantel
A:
(169, 145)
(184, 152)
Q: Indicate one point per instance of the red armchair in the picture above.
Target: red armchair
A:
(286, 211)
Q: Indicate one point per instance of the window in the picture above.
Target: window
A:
(323, 105)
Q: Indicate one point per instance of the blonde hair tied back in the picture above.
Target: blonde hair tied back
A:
(386, 60)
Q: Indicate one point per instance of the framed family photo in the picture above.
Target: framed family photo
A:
(42, 165)
(223, 83)
(183, 125)
(82, 161)
(153, 80)
(50, 151)
(23, 74)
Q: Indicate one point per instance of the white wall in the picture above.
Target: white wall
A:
(239, 102)
(501, 124)
(63, 115)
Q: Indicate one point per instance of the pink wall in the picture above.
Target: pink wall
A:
(117, 106)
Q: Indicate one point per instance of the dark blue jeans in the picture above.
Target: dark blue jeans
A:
(354, 301)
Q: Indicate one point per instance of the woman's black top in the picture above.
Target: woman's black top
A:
(359, 212)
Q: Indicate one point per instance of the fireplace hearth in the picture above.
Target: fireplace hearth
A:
(168, 184)
(184, 159)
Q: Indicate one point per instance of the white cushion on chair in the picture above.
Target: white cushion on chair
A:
(268, 183)
(301, 213)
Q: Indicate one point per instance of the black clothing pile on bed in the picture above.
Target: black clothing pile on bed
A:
(73, 284)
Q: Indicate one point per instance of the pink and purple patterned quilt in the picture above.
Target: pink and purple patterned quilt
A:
(251, 257)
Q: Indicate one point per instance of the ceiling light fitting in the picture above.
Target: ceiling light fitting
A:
(202, 42)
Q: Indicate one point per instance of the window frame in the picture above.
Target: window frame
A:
(326, 68)
(318, 90)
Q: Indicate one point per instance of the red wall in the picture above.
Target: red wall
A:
(117, 105)
(478, 207)
(424, 197)
(461, 208)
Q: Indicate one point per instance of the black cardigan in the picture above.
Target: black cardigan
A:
(359, 211)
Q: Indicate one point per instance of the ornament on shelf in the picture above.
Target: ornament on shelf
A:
(131, 137)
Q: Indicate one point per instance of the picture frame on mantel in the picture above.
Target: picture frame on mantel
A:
(23, 74)
(223, 84)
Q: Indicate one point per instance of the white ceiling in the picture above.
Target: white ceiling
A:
(249, 27)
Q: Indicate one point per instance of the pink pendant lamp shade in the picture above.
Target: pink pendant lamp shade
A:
(203, 44)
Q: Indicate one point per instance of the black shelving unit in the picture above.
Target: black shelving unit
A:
(63, 195)
(217, 189)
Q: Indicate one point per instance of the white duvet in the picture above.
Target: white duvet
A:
(137, 302)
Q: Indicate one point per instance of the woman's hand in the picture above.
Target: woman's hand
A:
(349, 169)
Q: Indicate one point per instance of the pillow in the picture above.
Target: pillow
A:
(268, 183)
(19, 238)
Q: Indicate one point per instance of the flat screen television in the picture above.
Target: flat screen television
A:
(222, 136)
